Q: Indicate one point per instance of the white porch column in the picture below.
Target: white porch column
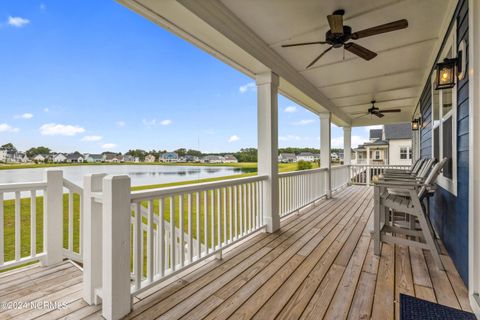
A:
(347, 145)
(116, 214)
(267, 101)
(474, 155)
(92, 238)
(53, 227)
(325, 148)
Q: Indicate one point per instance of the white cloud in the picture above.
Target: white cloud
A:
(166, 122)
(46, 110)
(289, 137)
(154, 122)
(109, 146)
(43, 6)
(290, 109)
(17, 22)
(233, 138)
(53, 129)
(121, 124)
(247, 87)
(150, 122)
(25, 116)
(303, 122)
(92, 138)
(7, 128)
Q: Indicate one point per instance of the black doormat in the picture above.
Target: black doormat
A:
(412, 308)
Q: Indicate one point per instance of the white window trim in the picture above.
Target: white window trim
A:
(446, 183)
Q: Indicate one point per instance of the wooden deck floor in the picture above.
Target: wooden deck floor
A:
(319, 265)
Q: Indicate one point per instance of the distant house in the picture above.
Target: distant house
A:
(213, 159)
(59, 158)
(3, 155)
(169, 157)
(40, 158)
(189, 158)
(390, 145)
(150, 158)
(94, 158)
(230, 158)
(75, 157)
(306, 156)
(113, 158)
(287, 157)
(128, 158)
(334, 156)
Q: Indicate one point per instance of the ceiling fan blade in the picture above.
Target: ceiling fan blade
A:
(360, 51)
(383, 28)
(336, 23)
(317, 58)
(302, 44)
(378, 114)
(390, 111)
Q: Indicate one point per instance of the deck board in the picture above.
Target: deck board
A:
(320, 264)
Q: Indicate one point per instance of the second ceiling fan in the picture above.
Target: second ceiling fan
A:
(339, 34)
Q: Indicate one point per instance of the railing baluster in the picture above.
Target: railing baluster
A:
(224, 216)
(173, 236)
(240, 209)
(33, 223)
(190, 235)
(70, 220)
(219, 218)
(205, 220)
(161, 237)
(199, 241)
(212, 219)
(235, 201)
(182, 232)
(230, 215)
(245, 209)
(150, 236)
(18, 221)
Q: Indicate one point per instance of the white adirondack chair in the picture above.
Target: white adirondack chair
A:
(406, 196)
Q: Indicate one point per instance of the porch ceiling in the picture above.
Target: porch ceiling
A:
(248, 35)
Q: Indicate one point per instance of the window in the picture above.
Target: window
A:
(405, 153)
(444, 109)
(377, 155)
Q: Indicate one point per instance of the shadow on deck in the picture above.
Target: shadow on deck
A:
(320, 264)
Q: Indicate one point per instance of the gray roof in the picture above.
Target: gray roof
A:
(306, 154)
(376, 134)
(398, 131)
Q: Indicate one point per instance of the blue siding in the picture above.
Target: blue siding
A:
(449, 213)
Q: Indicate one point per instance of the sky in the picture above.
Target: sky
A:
(94, 76)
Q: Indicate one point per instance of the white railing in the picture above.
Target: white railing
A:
(186, 224)
(340, 177)
(32, 219)
(298, 189)
(363, 174)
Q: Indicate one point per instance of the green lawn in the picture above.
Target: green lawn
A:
(9, 213)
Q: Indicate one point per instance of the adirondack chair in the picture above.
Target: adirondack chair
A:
(420, 174)
(414, 168)
(413, 192)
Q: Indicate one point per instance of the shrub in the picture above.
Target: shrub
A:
(304, 165)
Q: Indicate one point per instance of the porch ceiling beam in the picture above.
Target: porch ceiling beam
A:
(377, 101)
(376, 92)
(218, 16)
(383, 75)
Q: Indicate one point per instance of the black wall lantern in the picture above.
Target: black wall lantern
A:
(415, 124)
(446, 73)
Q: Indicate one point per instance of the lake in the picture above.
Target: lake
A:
(140, 174)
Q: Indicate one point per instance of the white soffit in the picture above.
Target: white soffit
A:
(248, 35)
